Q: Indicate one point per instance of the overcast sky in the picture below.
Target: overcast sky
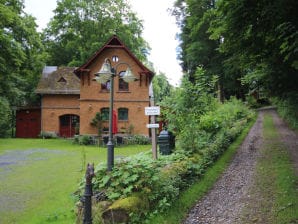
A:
(159, 31)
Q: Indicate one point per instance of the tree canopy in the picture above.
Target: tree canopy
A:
(81, 27)
(21, 53)
(246, 43)
(161, 87)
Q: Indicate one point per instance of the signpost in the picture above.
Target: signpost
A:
(152, 112)
(152, 125)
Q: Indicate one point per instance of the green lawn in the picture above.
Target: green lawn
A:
(38, 188)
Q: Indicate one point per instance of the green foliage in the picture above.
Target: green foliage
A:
(5, 117)
(265, 51)
(243, 42)
(21, 58)
(137, 140)
(188, 103)
(84, 140)
(195, 116)
(161, 87)
(71, 40)
(162, 180)
(97, 122)
(195, 18)
(287, 107)
(189, 196)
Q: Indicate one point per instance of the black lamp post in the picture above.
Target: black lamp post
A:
(107, 73)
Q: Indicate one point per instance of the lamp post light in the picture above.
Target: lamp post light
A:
(105, 74)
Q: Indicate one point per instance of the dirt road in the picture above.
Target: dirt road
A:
(231, 193)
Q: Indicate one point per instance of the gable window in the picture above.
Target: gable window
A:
(123, 114)
(123, 86)
(104, 113)
(62, 80)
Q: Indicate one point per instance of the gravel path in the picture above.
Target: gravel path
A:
(225, 201)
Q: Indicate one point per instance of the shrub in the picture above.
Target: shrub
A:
(137, 140)
(84, 140)
(287, 107)
(5, 117)
(160, 181)
(141, 140)
(198, 133)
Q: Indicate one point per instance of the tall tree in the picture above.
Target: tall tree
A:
(20, 59)
(21, 53)
(80, 27)
(261, 37)
(161, 87)
(199, 50)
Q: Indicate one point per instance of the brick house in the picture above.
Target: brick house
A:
(70, 98)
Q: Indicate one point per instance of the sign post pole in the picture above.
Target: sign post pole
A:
(152, 111)
(153, 131)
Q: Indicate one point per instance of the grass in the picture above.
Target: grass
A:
(39, 189)
(190, 196)
(276, 184)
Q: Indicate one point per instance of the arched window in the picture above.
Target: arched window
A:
(123, 86)
(123, 114)
(104, 113)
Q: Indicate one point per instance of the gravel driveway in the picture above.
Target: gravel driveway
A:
(224, 202)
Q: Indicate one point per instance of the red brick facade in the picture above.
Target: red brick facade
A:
(75, 94)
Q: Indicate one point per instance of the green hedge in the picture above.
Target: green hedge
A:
(287, 107)
(160, 181)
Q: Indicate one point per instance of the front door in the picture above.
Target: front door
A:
(68, 124)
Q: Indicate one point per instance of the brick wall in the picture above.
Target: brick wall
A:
(54, 106)
(93, 98)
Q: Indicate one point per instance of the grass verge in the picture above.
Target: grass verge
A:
(190, 196)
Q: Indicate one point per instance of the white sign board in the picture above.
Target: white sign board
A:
(152, 111)
(152, 125)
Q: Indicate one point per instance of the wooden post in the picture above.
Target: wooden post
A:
(153, 131)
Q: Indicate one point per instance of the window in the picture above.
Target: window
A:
(123, 114)
(62, 80)
(123, 86)
(104, 114)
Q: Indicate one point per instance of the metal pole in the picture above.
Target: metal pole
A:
(110, 144)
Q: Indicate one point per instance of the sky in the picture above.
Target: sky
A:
(159, 31)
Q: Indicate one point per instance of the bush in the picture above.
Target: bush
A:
(5, 117)
(137, 140)
(287, 107)
(160, 181)
(84, 140)
(198, 133)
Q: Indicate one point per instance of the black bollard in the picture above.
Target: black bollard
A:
(88, 194)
